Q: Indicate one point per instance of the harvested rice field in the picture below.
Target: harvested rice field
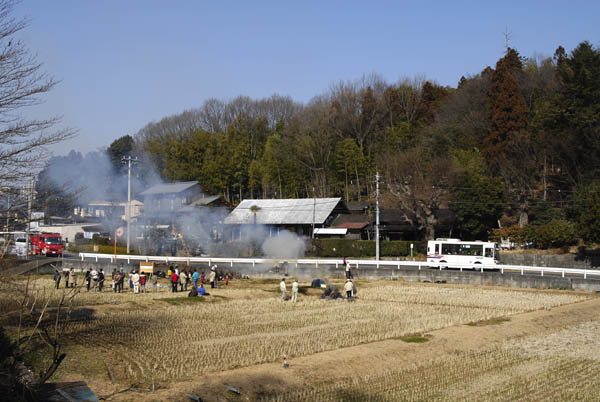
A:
(396, 341)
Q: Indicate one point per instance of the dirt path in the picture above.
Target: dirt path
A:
(369, 359)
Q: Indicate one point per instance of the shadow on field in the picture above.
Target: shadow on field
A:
(272, 387)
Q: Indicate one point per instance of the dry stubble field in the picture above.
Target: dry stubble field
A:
(519, 344)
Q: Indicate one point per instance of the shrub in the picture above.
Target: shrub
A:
(103, 249)
(362, 248)
(556, 233)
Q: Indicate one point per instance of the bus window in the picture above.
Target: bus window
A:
(489, 252)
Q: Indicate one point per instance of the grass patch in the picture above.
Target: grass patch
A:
(415, 339)
(491, 321)
(176, 301)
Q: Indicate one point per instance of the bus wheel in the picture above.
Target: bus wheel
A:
(477, 266)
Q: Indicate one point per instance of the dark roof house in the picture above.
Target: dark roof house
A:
(165, 200)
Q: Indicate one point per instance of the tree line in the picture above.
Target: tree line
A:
(515, 146)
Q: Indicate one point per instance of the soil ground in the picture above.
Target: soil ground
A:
(373, 359)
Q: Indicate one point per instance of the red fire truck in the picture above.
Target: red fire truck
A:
(47, 244)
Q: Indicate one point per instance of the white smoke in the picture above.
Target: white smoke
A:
(284, 245)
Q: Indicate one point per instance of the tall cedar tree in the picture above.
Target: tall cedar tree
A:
(575, 113)
(507, 111)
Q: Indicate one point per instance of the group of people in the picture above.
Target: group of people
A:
(182, 279)
(69, 275)
(95, 277)
(283, 288)
(349, 286)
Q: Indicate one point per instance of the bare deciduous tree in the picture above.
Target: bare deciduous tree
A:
(23, 141)
(419, 185)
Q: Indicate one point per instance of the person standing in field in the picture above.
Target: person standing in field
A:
(202, 278)
(57, 276)
(295, 291)
(122, 280)
(135, 279)
(183, 280)
(116, 282)
(195, 277)
(100, 280)
(155, 282)
(349, 287)
(71, 278)
(88, 279)
(94, 275)
(174, 281)
(283, 289)
(212, 277)
(226, 279)
(188, 277)
(112, 277)
(348, 271)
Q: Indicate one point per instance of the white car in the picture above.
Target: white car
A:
(21, 246)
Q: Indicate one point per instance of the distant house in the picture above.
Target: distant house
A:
(164, 202)
(394, 224)
(110, 210)
(298, 215)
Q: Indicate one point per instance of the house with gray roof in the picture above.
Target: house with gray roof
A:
(299, 215)
(163, 201)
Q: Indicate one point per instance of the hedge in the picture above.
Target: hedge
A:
(365, 248)
(102, 249)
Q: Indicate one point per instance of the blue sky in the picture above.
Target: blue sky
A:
(123, 64)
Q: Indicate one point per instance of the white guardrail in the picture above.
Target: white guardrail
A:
(338, 263)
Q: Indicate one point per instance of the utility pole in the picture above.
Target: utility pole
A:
(377, 217)
(29, 202)
(7, 212)
(128, 160)
(314, 213)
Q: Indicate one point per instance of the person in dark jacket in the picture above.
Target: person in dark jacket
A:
(57, 277)
(100, 280)
(88, 279)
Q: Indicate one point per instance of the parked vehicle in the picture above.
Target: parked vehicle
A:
(21, 246)
(49, 244)
(454, 253)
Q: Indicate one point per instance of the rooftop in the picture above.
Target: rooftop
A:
(299, 211)
(169, 188)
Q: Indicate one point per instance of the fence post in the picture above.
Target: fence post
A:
(542, 271)
(563, 273)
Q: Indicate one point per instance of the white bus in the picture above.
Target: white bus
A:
(453, 253)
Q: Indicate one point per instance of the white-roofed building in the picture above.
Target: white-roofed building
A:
(299, 215)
